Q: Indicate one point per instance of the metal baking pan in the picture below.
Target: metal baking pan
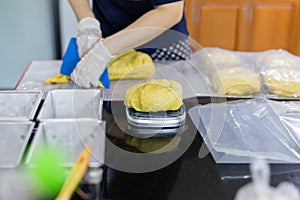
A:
(14, 137)
(19, 105)
(68, 104)
(70, 136)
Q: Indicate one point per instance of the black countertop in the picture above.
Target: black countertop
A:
(190, 176)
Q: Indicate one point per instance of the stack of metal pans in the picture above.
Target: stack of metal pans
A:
(17, 112)
(69, 120)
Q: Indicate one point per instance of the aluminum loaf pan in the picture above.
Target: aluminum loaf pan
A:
(69, 137)
(68, 104)
(14, 137)
(19, 105)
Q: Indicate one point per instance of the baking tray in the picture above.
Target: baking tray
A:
(70, 136)
(67, 104)
(14, 137)
(19, 105)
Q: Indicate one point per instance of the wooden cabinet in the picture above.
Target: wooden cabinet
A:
(245, 25)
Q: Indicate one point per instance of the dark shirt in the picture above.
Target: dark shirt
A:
(115, 15)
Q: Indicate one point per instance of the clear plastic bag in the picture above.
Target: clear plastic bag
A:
(276, 58)
(277, 70)
(212, 59)
(238, 131)
(282, 81)
(230, 73)
(280, 72)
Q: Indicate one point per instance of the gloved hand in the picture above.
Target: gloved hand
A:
(91, 66)
(89, 34)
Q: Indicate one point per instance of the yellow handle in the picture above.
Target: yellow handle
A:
(76, 174)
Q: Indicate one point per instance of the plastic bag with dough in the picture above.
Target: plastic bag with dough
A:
(282, 81)
(58, 78)
(276, 60)
(236, 81)
(154, 95)
(211, 60)
(131, 65)
(223, 59)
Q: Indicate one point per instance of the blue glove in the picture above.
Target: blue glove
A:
(70, 60)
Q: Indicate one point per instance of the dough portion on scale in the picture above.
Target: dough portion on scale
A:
(282, 81)
(235, 81)
(154, 95)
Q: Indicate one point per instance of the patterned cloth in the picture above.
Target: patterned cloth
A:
(180, 50)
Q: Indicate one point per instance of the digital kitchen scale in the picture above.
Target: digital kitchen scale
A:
(154, 132)
(160, 119)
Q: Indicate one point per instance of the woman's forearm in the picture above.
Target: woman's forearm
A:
(81, 9)
(146, 28)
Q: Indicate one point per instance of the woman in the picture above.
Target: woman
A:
(156, 27)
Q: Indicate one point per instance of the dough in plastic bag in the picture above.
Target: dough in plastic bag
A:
(282, 81)
(236, 81)
(154, 95)
(277, 60)
(131, 65)
(223, 59)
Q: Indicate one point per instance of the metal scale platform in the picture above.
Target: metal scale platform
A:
(155, 124)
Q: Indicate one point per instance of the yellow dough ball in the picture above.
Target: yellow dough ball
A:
(154, 95)
(57, 79)
(131, 65)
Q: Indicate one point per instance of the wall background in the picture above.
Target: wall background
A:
(67, 22)
(26, 33)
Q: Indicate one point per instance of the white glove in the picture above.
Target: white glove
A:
(88, 34)
(91, 66)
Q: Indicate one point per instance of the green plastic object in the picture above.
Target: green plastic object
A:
(48, 175)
